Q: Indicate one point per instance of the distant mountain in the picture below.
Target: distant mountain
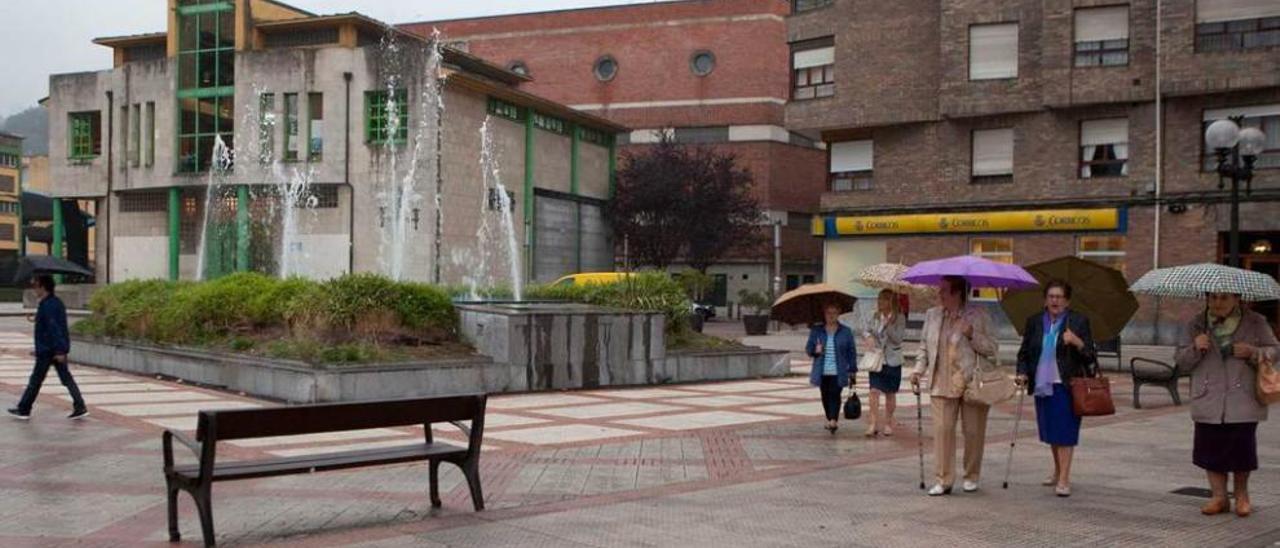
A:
(33, 124)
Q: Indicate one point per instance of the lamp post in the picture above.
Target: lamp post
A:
(1236, 149)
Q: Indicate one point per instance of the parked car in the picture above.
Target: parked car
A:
(705, 310)
(585, 278)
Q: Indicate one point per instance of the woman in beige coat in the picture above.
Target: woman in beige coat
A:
(1221, 348)
(957, 339)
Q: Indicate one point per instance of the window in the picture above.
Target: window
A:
(326, 196)
(1234, 25)
(852, 163)
(144, 201)
(135, 136)
(8, 160)
(550, 123)
(315, 127)
(124, 135)
(149, 158)
(1102, 36)
(518, 67)
(993, 51)
(713, 134)
(606, 68)
(1104, 250)
(1104, 148)
(206, 34)
(379, 126)
(992, 153)
(266, 127)
(510, 111)
(291, 144)
(999, 250)
(593, 136)
(800, 6)
(8, 232)
(813, 69)
(86, 135)
(9, 208)
(702, 63)
(7, 184)
(1264, 117)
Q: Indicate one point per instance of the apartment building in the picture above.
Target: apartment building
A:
(1023, 130)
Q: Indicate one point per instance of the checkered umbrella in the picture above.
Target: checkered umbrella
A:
(1193, 281)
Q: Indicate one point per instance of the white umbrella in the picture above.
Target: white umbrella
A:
(889, 276)
(1193, 281)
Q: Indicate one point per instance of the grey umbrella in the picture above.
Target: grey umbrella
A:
(1193, 281)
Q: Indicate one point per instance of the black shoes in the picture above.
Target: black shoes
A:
(18, 414)
(78, 414)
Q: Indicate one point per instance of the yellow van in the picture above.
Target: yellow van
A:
(585, 278)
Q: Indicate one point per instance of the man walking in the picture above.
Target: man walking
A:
(52, 345)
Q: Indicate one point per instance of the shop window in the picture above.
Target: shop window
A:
(852, 165)
(1102, 36)
(993, 51)
(992, 155)
(999, 250)
(86, 135)
(813, 69)
(379, 125)
(1104, 148)
(1104, 250)
(1264, 117)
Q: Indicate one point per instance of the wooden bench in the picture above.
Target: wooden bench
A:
(1157, 373)
(238, 424)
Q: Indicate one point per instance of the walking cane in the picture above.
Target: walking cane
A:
(1008, 466)
(919, 431)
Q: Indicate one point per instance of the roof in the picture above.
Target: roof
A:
(543, 105)
(132, 40)
(11, 136)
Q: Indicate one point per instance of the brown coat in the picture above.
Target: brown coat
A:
(1222, 390)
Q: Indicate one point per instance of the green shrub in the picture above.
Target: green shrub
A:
(648, 291)
(423, 306)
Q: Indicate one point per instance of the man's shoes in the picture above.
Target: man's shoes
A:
(970, 486)
(18, 414)
(78, 414)
(938, 490)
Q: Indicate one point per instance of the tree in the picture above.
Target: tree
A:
(675, 200)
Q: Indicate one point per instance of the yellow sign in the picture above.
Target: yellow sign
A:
(1044, 220)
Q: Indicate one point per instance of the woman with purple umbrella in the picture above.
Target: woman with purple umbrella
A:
(957, 341)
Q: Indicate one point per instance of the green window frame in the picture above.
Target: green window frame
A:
(594, 136)
(315, 127)
(205, 81)
(510, 111)
(550, 123)
(149, 158)
(85, 135)
(377, 123)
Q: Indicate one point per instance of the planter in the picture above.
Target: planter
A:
(756, 324)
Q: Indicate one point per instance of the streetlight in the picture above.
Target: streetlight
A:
(1237, 149)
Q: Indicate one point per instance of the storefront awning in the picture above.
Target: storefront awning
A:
(1041, 220)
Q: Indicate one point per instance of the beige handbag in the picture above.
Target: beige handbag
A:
(989, 387)
(1268, 385)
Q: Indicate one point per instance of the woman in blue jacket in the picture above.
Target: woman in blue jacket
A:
(834, 361)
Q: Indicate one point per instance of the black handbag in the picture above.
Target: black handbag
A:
(853, 405)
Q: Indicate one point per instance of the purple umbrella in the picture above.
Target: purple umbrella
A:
(978, 271)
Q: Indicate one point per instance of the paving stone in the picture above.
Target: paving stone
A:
(608, 410)
(690, 421)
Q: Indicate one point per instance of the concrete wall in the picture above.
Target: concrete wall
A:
(68, 93)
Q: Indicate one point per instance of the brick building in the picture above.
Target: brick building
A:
(712, 72)
(358, 148)
(10, 187)
(1024, 130)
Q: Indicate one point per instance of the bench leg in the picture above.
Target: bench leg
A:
(435, 483)
(472, 472)
(204, 505)
(1137, 403)
(174, 535)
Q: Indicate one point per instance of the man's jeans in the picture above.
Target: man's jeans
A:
(37, 380)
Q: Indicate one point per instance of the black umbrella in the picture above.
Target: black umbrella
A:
(33, 265)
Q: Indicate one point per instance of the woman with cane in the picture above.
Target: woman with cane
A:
(1057, 346)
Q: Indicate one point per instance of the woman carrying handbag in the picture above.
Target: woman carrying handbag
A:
(1057, 349)
(884, 339)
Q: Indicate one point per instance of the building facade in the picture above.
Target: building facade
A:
(10, 210)
(1025, 130)
(708, 72)
(252, 135)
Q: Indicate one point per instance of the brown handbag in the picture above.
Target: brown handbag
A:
(1091, 396)
(1268, 385)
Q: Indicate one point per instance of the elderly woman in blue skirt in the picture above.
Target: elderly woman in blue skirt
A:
(1057, 346)
(835, 359)
(885, 334)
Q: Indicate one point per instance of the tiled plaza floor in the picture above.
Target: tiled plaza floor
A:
(721, 464)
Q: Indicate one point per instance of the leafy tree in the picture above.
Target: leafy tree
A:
(675, 201)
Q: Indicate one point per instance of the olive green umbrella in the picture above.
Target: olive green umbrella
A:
(1100, 293)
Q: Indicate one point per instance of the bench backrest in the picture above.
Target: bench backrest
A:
(234, 424)
(1110, 346)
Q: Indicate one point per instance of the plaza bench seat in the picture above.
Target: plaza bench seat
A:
(1146, 371)
(215, 426)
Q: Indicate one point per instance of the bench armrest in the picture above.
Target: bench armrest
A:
(1133, 370)
(167, 440)
(465, 430)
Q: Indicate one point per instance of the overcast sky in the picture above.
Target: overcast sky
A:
(43, 37)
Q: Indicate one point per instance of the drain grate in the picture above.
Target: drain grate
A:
(1200, 492)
